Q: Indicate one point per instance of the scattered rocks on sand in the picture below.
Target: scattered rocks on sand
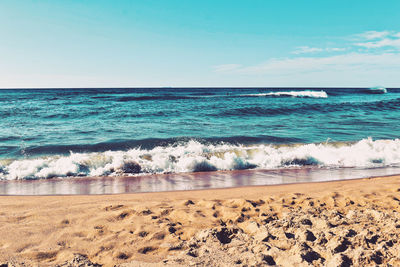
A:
(79, 260)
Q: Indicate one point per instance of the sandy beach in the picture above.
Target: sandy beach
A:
(199, 133)
(340, 223)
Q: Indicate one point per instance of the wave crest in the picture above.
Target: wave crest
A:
(193, 156)
(307, 93)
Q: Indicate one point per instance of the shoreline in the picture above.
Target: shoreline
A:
(182, 227)
(223, 192)
(203, 189)
(109, 185)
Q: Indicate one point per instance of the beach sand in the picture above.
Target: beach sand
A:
(330, 224)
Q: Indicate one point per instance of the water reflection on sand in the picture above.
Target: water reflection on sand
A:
(183, 181)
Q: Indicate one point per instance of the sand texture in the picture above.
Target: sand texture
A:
(342, 223)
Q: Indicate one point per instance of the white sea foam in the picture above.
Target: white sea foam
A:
(307, 93)
(194, 156)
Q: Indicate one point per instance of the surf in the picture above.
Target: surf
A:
(193, 156)
(306, 94)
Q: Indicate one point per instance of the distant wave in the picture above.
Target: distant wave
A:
(311, 108)
(193, 156)
(307, 93)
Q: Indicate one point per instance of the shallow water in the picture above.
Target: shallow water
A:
(184, 181)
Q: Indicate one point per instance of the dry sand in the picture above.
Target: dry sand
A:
(331, 224)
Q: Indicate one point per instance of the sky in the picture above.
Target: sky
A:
(204, 43)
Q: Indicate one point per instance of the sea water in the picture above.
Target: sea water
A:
(46, 133)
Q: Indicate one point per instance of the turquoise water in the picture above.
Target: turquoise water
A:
(116, 131)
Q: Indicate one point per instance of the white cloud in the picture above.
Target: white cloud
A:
(375, 40)
(226, 67)
(349, 61)
(350, 69)
(377, 63)
(394, 43)
(307, 50)
(336, 49)
(371, 35)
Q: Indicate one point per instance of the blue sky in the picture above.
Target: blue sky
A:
(199, 43)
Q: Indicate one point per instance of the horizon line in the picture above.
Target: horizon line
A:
(193, 87)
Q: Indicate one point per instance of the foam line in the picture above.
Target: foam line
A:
(193, 156)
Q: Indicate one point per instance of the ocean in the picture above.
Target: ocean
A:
(49, 133)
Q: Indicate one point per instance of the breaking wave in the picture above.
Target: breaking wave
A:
(193, 156)
(307, 93)
(311, 108)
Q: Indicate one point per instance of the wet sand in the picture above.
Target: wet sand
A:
(322, 224)
(184, 181)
